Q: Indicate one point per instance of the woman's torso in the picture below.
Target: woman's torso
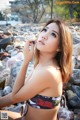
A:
(53, 91)
(41, 114)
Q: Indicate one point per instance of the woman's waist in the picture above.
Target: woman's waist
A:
(36, 114)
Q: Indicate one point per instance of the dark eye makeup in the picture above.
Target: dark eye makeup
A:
(44, 29)
(53, 34)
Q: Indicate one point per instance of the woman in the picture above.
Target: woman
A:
(53, 66)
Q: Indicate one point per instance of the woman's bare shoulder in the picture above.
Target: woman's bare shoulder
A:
(50, 73)
(54, 74)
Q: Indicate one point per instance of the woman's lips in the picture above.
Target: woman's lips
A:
(40, 41)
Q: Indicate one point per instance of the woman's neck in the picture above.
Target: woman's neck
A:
(47, 59)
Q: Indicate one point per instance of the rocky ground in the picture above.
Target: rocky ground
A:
(11, 58)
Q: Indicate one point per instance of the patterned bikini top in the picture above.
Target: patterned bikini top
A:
(44, 102)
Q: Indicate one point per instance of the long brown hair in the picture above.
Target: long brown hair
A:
(63, 57)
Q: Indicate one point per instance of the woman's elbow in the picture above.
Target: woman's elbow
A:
(15, 99)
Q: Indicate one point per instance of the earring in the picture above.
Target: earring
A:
(58, 50)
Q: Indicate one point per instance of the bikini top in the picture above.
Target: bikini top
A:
(44, 102)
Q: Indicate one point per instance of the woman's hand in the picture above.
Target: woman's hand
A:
(28, 51)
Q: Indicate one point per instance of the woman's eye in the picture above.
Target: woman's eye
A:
(53, 34)
(44, 29)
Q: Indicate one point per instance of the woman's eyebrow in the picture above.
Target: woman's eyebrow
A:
(53, 30)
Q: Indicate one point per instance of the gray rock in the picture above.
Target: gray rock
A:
(16, 108)
(76, 49)
(5, 74)
(76, 89)
(70, 94)
(1, 93)
(9, 47)
(13, 72)
(65, 114)
(6, 90)
(75, 102)
(76, 74)
(2, 66)
(76, 111)
(77, 62)
(73, 99)
(76, 82)
(13, 53)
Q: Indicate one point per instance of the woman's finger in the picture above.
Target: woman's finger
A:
(32, 47)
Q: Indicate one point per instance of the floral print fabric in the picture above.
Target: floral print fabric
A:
(44, 102)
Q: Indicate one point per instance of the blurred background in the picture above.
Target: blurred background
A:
(37, 11)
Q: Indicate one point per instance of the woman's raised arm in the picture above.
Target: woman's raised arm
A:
(19, 82)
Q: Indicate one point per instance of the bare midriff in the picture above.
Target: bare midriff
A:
(41, 114)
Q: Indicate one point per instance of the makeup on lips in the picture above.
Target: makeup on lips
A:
(40, 41)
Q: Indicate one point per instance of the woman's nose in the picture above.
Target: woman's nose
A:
(45, 37)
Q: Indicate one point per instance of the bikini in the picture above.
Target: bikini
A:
(41, 102)
(44, 102)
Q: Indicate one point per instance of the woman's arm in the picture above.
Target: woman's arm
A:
(6, 100)
(20, 80)
(19, 83)
(38, 82)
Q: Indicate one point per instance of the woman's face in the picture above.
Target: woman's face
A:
(48, 40)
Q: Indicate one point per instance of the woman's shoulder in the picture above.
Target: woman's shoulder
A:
(53, 73)
(50, 72)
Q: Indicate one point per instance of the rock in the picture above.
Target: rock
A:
(9, 47)
(76, 49)
(76, 41)
(19, 43)
(2, 84)
(65, 114)
(0, 93)
(2, 66)
(11, 62)
(76, 82)
(30, 68)
(76, 111)
(70, 94)
(5, 75)
(15, 108)
(73, 62)
(4, 55)
(73, 99)
(76, 89)
(76, 74)
(77, 116)
(15, 59)
(13, 53)
(6, 90)
(73, 81)
(75, 102)
(14, 72)
(77, 62)
(5, 41)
